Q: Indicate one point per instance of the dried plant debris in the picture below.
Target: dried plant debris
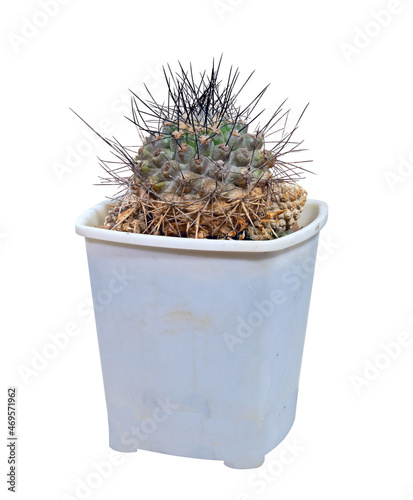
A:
(238, 218)
(200, 171)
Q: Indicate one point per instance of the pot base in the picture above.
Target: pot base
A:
(241, 443)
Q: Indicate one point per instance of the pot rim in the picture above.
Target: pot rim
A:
(87, 222)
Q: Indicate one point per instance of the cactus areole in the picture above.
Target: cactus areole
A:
(205, 167)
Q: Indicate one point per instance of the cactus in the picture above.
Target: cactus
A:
(201, 172)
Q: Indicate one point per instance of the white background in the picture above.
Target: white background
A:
(354, 427)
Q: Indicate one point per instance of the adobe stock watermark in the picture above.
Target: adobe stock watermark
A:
(285, 456)
(148, 426)
(99, 472)
(403, 171)
(82, 149)
(75, 154)
(245, 328)
(32, 25)
(328, 245)
(266, 308)
(59, 341)
(386, 357)
(363, 35)
(223, 7)
(41, 358)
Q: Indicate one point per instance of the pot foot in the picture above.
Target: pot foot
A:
(245, 463)
(123, 449)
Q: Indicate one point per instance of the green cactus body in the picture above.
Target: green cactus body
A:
(201, 172)
(179, 160)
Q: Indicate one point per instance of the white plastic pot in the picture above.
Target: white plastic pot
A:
(201, 341)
